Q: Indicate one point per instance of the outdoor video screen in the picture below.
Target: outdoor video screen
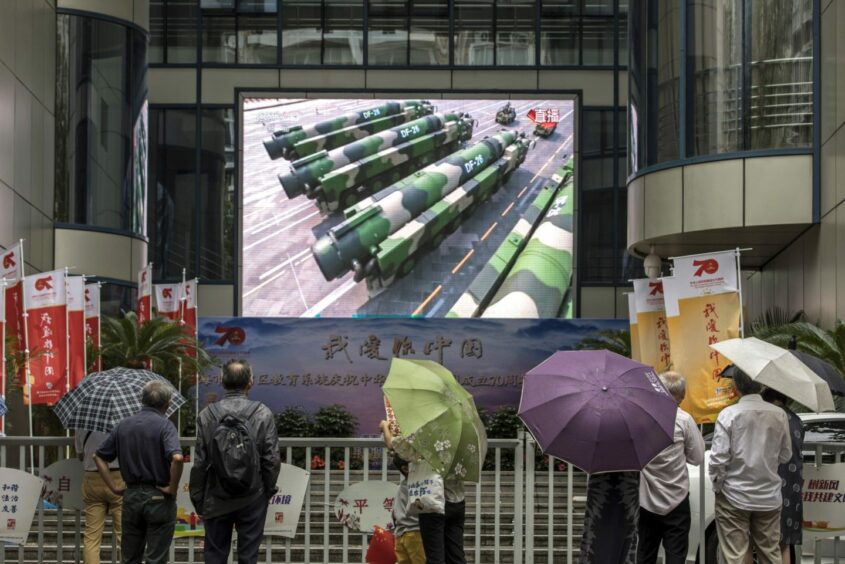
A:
(407, 207)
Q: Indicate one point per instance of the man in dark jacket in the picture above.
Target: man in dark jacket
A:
(224, 493)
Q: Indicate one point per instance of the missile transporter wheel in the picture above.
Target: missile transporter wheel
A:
(438, 239)
(348, 199)
(406, 267)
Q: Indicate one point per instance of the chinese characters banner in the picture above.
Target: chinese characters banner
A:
(92, 322)
(634, 328)
(19, 492)
(2, 354)
(11, 268)
(76, 329)
(189, 306)
(703, 308)
(145, 286)
(169, 300)
(46, 327)
(652, 333)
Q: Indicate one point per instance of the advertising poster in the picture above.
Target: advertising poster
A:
(11, 269)
(405, 207)
(363, 506)
(312, 363)
(168, 300)
(703, 308)
(634, 328)
(824, 499)
(76, 329)
(652, 332)
(145, 288)
(188, 523)
(19, 494)
(46, 328)
(63, 484)
(285, 508)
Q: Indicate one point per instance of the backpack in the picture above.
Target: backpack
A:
(234, 452)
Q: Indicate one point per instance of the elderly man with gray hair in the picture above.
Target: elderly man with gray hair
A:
(664, 486)
(147, 446)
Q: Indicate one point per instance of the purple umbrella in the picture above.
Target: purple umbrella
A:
(598, 410)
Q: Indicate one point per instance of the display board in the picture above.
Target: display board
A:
(407, 207)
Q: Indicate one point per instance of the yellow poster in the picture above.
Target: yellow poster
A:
(652, 335)
(703, 308)
(632, 321)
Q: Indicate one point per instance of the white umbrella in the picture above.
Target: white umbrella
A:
(777, 368)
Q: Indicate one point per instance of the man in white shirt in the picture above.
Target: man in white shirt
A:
(664, 486)
(98, 498)
(750, 442)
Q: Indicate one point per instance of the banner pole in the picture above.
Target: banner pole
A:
(3, 354)
(67, 350)
(99, 326)
(26, 370)
(702, 528)
(739, 291)
(196, 359)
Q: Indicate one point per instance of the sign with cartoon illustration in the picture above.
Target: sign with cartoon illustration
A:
(188, 522)
(365, 505)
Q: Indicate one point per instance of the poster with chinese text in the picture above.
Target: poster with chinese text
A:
(19, 494)
(652, 333)
(824, 499)
(63, 484)
(366, 505)
(285, 508)
(46, 329)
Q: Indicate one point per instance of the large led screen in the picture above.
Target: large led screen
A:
(407, 207)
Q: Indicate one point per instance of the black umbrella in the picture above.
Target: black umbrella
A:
(824, 370)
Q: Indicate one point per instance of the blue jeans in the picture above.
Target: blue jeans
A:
(149, 518)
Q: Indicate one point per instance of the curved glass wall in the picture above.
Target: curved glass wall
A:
(746, 83)
(101, 124)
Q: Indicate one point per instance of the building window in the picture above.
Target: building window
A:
(217, 195)
(515, 24)
(387, 40)
(559, 32)
(597, 32)
(343, 34)
(239, 32)
(328, 32)
(101, 124)
(474, 32)
(429, 43)
(173, 31)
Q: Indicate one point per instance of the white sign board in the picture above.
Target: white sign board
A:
(188, 523)
(366, 505)
(824, 500)
(285, 506)
(19, 494)
(63, 484)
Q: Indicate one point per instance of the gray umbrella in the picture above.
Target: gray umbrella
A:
(823, 370)
(104, 398)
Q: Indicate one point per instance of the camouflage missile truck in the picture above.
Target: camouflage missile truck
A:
(545, 129)
(339, 178)
(506, 114)
(300, 141)
(529, 274)
(384, 235)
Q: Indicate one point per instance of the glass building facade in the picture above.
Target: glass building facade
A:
(737, 76)
(101, 125)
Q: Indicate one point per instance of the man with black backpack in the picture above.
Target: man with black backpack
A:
(236, 464)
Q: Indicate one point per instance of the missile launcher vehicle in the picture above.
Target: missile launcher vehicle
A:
(339, 178)
(384, 235)
(506, 114)
(529, 275)
(300, 141)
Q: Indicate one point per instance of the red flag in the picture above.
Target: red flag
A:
(145, 278)
(11, 268)
(189, 306)
(169, 300)
(46, 327)
(2, 353)
(75, 286)
(92, 322)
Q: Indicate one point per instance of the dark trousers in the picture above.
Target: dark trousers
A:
(671, 529)
(443, 535)
(249, 522)
(149, 518)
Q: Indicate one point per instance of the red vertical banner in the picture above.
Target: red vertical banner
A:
(11, 269)
(145, 287)
(92, 323)
(169, 300)
(189, 306)
(2, 353)
(46, 328)
(75, 286)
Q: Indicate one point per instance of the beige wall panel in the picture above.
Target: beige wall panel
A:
(43, 23)
(49, 68)
(713, 195)
(7, 215)
(24, 39)
(93, 253)
(812, 280)
(795, 272)
(636, 203)
(825, 6)
(778, 190)
(341, 95)
(828, 178)
(172, 86)
(827, 270)
(8, 12)
(598, 303)
(840, 63)
(840, 263)
(141, 13)
(663, 203)
(293, 78)
(215, 300)
(597, 85)
(495, 79)
(218, 85)
(7, 125)
(48, 164)
(409, 79)
(139, 258)
(23, 141)
(122, 9)
(36, 152)
(622, 301)
(828, 71)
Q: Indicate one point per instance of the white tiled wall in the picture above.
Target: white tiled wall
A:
(27, 120)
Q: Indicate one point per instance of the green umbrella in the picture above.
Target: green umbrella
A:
(437, 417)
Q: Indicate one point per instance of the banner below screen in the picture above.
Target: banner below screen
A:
(652, 334)
(703, 307)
